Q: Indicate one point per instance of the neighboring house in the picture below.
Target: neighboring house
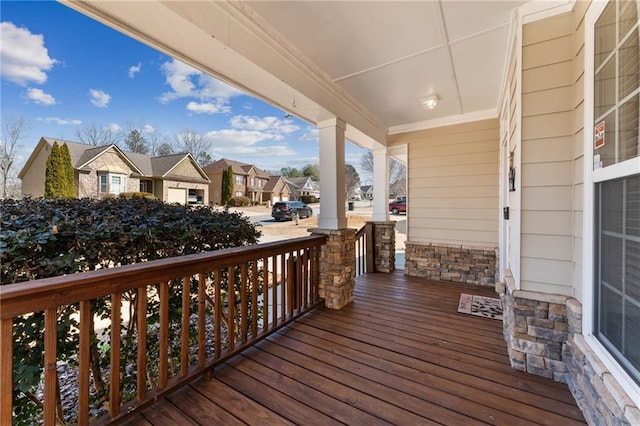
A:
(366, 192)
(248, 180)
(103, 170)
(276, 189)
(300, 186)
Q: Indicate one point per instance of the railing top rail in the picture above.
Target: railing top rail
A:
(33, 296)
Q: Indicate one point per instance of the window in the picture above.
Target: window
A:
(239, 193)
(146, 186)
(239, 180)
(616, 178)
(253, 181)
(112, 183)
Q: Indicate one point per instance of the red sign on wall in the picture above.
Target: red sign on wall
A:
(598, 135)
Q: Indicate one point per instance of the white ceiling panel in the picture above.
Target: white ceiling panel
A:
(344, 38)
(467, 18)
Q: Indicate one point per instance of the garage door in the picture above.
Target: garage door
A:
(177, 195)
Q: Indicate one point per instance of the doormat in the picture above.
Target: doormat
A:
(480, 306)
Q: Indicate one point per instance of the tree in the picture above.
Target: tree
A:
(290, 172)
(94, 134)
(397, 172)
(12, 129)
(312, 171)
(227, 185)
(351, 180)
(68, 173)
(164, 149)
(195, 143)
(135, 142)
(53, 180)
(158, 143)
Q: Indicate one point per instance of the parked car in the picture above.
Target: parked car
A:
(289, 209)
(398, 206)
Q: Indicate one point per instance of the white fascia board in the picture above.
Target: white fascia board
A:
(445, 121)
(538, 10)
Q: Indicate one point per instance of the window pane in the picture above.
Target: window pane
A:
(605, 89)
(612, 261)
(628, 135)
(611, 194)
(628, 74)
(605, 39)
(608, 150)
(628, 17)
(632, 270)
(611, 317)
(632, 337)
(633, 206)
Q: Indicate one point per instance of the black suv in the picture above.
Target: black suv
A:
(289, 209)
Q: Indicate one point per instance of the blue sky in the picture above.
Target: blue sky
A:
(63, 71)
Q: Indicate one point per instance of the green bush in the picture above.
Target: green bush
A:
(239, 201)
(44, 238)
(130, 195)
(309, 199)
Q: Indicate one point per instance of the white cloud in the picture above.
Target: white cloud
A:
(208, 108)
(246, 143)
(113, 127)
(267, 124)
(60, 121)
(187, 82)
(23, 57)
(148, 129)
(40, 97)
(135, 69)
(99, 98)
(312, 135)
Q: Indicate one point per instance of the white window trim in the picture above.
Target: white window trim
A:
(590, 178)
(109, 175)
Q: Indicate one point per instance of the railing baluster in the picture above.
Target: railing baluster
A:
(114, 364)
(244, 309)
(217, 313)
(6, 371)
(50, 372)
(305, 278)
(255, 282)
(141, 367)
(283, 287)
(184, 350)
(83, 362)
(202, 354)
(231, 302)
(274, 291)
(163, 365)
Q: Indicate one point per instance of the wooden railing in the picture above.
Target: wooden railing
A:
(365, 249)
(199, 310)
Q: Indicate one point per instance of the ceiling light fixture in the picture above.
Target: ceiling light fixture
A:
(430, 102)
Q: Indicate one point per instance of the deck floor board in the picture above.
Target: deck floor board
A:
(400, 354)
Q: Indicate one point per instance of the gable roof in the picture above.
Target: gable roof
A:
(273, 181)
(144, 165)
(238, 167)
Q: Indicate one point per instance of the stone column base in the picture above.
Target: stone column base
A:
(337, 267)
(384, 237)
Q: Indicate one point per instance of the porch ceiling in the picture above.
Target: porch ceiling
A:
(367, 62)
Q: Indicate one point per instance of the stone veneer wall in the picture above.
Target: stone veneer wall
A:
(337, 267)
(544, 337)
(471, 265)
(384, 238)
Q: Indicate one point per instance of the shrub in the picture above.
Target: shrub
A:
(309, 199)
(130, 195)
(44, 238)
(239, 201)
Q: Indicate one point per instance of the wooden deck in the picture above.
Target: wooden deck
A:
(400, 354)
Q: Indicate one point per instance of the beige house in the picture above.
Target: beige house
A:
(103, 170)
(276, 189)
(301, 186)
(518, 123)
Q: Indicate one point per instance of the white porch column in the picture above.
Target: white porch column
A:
(332, 202)
(380, 185)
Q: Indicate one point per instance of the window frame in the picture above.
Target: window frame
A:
(590, 178)
(109, 185)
